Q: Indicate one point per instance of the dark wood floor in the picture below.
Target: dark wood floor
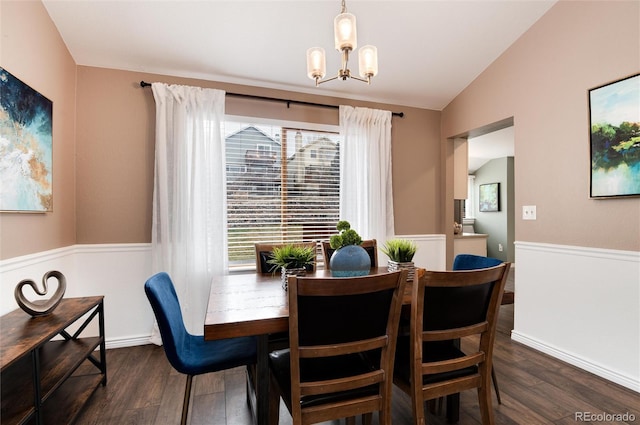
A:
(535, 388)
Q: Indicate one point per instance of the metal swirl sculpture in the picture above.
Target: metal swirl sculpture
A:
(41, 307)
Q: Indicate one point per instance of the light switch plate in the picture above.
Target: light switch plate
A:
(529, 212)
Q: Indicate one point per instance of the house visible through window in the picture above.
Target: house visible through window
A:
(283, 185)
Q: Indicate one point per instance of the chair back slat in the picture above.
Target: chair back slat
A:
(329, 386)
(344, 348)
(452, 364)
(456, 333)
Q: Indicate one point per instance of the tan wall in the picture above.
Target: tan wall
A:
(115, 148)
(32, 50)
(542, 81)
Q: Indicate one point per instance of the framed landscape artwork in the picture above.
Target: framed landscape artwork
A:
(614, 121)
(25, 147)
(489, 197)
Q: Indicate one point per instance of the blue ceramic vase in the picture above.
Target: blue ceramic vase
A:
(349, 261)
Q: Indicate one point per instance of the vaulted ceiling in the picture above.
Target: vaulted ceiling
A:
(429, 51)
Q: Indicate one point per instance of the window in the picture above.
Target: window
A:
(470, 201)
(282, 186)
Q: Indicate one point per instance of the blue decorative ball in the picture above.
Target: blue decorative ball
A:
(349, 261)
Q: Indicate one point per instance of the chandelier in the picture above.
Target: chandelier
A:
(344, 28)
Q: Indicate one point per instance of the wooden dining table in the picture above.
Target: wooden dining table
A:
(252, 304)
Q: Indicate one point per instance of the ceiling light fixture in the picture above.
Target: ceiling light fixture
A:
(344, 28)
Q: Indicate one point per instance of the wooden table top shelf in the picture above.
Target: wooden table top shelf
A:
(20, 333)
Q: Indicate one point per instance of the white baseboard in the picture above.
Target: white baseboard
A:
(578, 361)
(127, 342)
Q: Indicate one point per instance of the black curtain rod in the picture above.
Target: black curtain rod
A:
(288, 102)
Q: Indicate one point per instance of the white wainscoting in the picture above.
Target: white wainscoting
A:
(431, 253)
(581, 305)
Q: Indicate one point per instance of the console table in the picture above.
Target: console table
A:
(47, 380)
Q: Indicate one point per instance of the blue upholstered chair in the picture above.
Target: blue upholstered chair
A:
(472, 262)
(191, 354)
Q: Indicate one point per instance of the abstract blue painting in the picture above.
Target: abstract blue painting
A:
(25, 147)
(615, 138)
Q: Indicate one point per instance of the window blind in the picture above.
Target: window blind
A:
(283, 186)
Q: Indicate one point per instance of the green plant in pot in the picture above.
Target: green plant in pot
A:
(349, 258)
(291, 260)
(400, 253)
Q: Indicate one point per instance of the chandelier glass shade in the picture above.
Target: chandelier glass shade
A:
(344, 32)
(346, 41)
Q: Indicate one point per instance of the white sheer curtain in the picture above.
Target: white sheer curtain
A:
(189, 239)
(366, 195)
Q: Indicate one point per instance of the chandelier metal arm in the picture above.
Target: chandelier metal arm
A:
(344, 77)
(364, 80)
(319, 81)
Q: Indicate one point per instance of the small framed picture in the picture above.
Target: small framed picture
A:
(489, 197)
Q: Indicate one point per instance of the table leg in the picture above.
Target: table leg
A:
(453, 408)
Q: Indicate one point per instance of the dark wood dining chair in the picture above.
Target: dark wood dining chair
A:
(263, 255)
(370, 245)
(342, 334)
(447, 306)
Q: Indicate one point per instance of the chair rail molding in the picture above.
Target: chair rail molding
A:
(575, 303)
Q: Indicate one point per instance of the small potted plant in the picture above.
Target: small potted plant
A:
(349, 258)
(292, 260)
(400, 253)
